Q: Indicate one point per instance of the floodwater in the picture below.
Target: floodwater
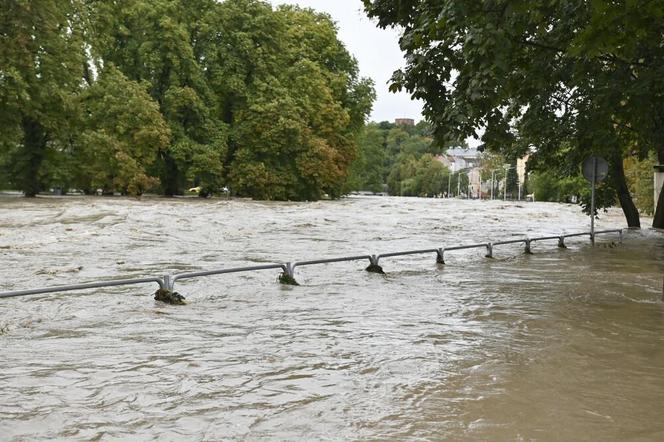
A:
(564, 344)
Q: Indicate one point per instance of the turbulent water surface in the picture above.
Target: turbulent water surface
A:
(564, 344)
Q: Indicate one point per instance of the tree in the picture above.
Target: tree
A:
(546, 186)
(41, 61)
(162, 43)
(640, 181)
(403, 157)
(299, 108)
(580, 75)
(417, 176)
(366, 172)
(129, 94)
(121, 134)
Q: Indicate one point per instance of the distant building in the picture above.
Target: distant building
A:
(475, 180)
(457, 159)
(404, 122)
(521, 168)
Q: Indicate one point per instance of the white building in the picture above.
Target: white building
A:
(521, 168)
(457, 159)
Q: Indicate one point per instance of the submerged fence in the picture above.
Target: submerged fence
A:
(167, 282)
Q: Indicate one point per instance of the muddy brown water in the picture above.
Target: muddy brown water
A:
(558, 345)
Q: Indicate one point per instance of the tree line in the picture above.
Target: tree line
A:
(401, 160)
(133, 96)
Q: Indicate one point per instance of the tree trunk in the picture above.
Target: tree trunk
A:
(31, 157)
(620, 183)
(170, 179)
(658, 220)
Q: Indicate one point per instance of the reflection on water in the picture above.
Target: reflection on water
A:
(562, 344)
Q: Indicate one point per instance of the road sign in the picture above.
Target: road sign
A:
(595, 170)
(600, 166)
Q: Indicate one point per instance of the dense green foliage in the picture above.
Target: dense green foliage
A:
(569, 77)
(548, 187)
(120, 134)
(641, 184)
(41, 61)
(401, 157)
(367, 172)
(163, 95)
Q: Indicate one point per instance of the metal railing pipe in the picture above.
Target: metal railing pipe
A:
(469, 246)
(167, 282)
(545, 238)
(89, 285)
(510, 241)
(330, 260)
(618, 231)
(440, 259)
(572, 235)
(224, 271)
(408, 252)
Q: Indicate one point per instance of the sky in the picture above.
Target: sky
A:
(377, 53)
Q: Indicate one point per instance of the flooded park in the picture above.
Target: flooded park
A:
(565, 343)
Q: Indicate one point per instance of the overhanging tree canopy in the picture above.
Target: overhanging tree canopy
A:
(583, 74)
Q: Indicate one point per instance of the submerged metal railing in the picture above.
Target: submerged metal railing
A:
(167, 282)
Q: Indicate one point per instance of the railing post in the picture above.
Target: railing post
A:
(561, 242)
(288, 275)
(489, 250)
(167, 293)
(374, 267)
(168, 284)
(440, 256)
(527, 250)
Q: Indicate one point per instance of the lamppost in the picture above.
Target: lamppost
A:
(468, 193)
(493, 174)
(458, 183)
(449, 183)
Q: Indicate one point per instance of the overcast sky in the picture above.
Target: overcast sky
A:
(377, 52)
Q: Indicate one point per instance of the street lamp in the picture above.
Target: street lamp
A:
(468, 193)
(493, 174)
(449, 183)
(459, 184)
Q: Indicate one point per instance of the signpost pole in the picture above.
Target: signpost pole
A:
(592, 201)
(449, 182)
(595, 170)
